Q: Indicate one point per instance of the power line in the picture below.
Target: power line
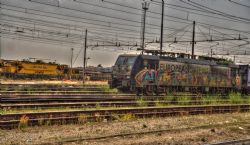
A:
(177, 7)
(213, 11)
(232, 1)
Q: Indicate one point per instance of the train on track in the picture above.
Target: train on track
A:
(154, 74)
(12, 69)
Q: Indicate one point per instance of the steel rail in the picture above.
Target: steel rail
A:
(234, 142)
(109, 103)
(79, 139)
(62, 117)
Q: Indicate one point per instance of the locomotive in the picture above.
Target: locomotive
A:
(27, 69)
(50, 71)
(154, 74)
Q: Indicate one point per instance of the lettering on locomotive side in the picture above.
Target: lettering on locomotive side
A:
(39, 66)
(174, 67)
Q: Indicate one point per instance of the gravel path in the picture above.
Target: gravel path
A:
(221, 127)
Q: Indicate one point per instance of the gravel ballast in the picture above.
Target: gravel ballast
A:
(199, 129)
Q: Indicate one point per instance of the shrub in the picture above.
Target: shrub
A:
(158, 103)
(141, 102)
(235, 98)
(127, 117)
(23, 121)
(123, 117)
(210, 99)
(169, 99)
(183, 100)
(82, 118)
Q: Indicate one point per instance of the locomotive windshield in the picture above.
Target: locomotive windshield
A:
(124, 60)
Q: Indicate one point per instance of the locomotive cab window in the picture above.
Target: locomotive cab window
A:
(122, 60)
(151, 64)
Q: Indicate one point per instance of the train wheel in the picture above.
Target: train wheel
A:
(138, 91)
(156, 90)
(144, 91)
(150, 90)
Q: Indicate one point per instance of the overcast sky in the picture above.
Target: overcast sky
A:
(48, 29)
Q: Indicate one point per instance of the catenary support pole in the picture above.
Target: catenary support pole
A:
(0, 33)
(71, 62)
(84, 57)
(145, 6)
(193, 40)
(162, 23)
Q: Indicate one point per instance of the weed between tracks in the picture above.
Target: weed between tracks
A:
(83, 118)
(23, 123)
(236, 98)
(170, 100)
(107, 89)
(123, 117)
(141, 102)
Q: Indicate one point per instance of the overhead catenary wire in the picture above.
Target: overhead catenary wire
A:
(107, 32)
(232, 1)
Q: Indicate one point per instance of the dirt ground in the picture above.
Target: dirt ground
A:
(193, 130)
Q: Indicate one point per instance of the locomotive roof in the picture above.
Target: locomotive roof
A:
(128, 55)
(186, 60)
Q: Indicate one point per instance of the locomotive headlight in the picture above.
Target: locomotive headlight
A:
(128, 67)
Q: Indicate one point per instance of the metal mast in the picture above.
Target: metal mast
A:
(145, 6)
(71, 61)
(162, 22)
(84, 57)
(0, 44)
(193, 40)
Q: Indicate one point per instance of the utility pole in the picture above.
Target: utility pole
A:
(193, 40)
(211, 53)
(162, 22)
(71, 62)
(84, 57)
(145, 6)
(0, 32)
(0, 43)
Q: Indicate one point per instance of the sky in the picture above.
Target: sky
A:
(49, 29)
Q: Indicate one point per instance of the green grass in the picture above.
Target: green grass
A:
(211, 99)
(107, 89)
(183, 100)
(159, 103)
(169, 98)
(235, 98)
(141, 102)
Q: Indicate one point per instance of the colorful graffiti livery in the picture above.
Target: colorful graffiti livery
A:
(154, 74)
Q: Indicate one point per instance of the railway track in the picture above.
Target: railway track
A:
(38, 98)
(234, 142)
(44, 89)
(123, 135)
(104, 103)
(53, 89)
(72, 98)
(62, 117)
(57, 92)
